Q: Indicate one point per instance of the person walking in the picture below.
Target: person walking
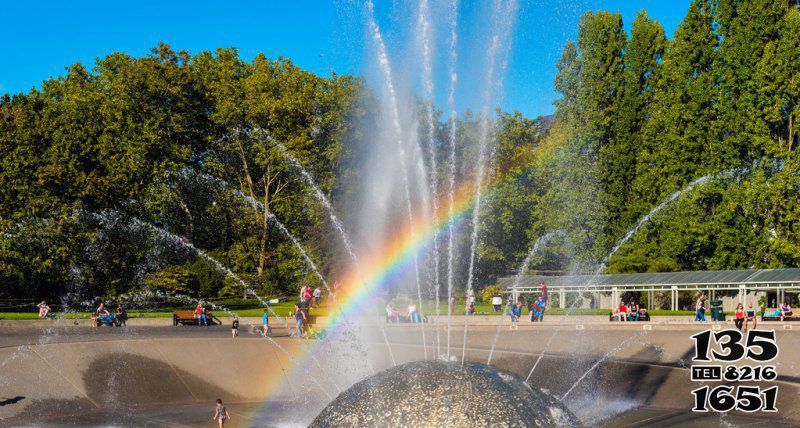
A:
(235, 328)
(738, 316)
(220, 414)
(700, 314)
(413, 314)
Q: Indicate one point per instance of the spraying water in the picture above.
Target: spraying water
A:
(106, 219)
(602, 267)
(502, 21)
(611, 352)
(253, 202)
(386, 68)
(320, 195)
(427, 84)
(523, 268)
(451, 175)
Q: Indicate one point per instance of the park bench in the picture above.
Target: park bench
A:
(764, 317)
(642, 317)
(186, 317)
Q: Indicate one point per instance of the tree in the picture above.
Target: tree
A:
(745, 27)
(618, 169)
(778, 82)
(676, 139)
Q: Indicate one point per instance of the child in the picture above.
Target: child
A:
(235, 327)
(43, 309)
(221, 414)
(515, 312)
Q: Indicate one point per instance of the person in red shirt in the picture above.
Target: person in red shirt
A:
(623, 311)
(738, 316)
(544, 292)
(200, 314)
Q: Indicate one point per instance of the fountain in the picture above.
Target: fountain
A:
(416, 204)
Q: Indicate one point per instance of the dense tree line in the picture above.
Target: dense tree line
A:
(93, 151)
(640, 115)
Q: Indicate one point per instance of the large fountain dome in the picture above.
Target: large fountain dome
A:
(444, 394)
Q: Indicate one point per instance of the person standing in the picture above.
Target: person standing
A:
(303, 291)
(700, 314)
(413, 314)
(515, 312)
(452, 308)
(543, 293)
(300, 319)
(334, 295)
(235, 328)
(220, 414)
(317, 296)
(539, 305)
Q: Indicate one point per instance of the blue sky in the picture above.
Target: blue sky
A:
(42, 38)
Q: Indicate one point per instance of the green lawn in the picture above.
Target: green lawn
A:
(285, 309)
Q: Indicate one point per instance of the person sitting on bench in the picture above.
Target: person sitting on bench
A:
(633, 311)
(200, 314)
(750, 315)
(786, 310)
(391, 313)
(623, 311)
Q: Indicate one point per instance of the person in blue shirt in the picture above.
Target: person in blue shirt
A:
(515, 312)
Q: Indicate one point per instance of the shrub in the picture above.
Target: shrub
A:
(490, 291)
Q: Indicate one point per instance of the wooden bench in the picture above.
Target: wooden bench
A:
(186, 317)
(793, 317)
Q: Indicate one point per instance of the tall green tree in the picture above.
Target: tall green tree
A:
(643, 57)
(676, 139)
(745, 27)
(778, 83)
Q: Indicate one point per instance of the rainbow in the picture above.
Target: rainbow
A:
(363, 283)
